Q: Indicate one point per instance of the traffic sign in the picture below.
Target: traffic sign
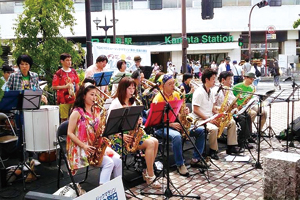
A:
(271, 29)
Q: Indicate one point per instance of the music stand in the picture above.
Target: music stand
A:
(162, 110)
(120, 120)
(102, 78)
(27, 100)
(257, 165)
(147, 70)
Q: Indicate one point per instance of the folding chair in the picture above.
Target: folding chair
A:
(7, 138)
(61, 135)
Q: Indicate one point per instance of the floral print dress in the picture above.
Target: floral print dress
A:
(85, 132)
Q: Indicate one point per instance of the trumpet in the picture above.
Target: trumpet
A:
(139, 102)
(146, 84)
(100, 100)
(195, 84)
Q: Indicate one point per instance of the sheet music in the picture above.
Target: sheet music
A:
(248, 105)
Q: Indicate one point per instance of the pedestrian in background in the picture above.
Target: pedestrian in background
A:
(276, 75)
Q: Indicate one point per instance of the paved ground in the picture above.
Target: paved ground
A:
(222, 183)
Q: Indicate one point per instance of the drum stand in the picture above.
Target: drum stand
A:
(23, 163)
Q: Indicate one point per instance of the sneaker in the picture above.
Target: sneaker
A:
(213, 154)
(182, 170)
(199, 164)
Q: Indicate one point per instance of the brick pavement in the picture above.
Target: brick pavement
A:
(222, 184)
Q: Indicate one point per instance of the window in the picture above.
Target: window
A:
(96, 5)
(217, 3)
(7, 7)
(275, 2)
(155, 4)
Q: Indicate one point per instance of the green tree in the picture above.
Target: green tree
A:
(38, 34)
(296, 24)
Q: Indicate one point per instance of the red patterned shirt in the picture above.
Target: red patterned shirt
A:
(61, 78)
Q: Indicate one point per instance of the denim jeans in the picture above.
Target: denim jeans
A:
(199, 134)
(175, 138)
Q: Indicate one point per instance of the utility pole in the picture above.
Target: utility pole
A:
(184, 35)
(89, 56)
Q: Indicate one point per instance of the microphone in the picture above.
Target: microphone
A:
(220, 88)
(287, 79)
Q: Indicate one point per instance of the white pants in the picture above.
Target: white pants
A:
(110, 166)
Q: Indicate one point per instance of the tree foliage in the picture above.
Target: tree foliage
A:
(38, 34)
(296, 24)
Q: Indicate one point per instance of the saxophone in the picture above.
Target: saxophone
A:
(100, 143)
(136, 134)
(246, 100)
(185, 120)
(224, 121)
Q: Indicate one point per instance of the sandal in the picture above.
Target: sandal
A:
(149, 180)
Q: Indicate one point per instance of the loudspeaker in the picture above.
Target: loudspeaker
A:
(96, 5)
(207, 9)
(296, 127)
(155, 4)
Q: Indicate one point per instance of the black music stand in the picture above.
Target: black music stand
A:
(27, 100)
(103, 78)
(147, 70)
(166, 118)
(120, 120)
(257, 164)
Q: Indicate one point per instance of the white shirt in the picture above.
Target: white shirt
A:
(204, 100)
(115, 104)
(237, 70)
(89, 72)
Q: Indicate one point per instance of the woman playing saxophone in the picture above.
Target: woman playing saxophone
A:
(83, 124)
(124, 98)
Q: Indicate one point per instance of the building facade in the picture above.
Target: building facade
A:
(157, 24)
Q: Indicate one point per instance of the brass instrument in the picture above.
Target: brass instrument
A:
(246, 100)
(222, 122)
(70, 89)
(100, 143)
(147, 85)
(185, 120)
(195, 84)
(136, 134)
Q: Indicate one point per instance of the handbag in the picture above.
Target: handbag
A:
(238, 78)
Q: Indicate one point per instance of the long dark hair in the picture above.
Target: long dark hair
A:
(79, 100)
(122, 90)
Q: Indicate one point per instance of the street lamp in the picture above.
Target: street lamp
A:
(105, 27)
(260, 5)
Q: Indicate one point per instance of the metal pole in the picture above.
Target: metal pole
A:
(89, 56)
(105, 30)
(266, 55)
(249, 25)
(184, 35)
(114, 22)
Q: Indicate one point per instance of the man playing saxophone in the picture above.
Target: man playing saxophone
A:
(204, 108)
(175, 128)
(244, 120)
(247, 88)
(84, 123)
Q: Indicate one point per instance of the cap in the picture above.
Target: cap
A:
(166, 78)
(234, 62)
(250, 75)
(6, 68)
(137, 58)
(227, 58)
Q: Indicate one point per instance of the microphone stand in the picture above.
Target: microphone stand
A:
(168, 193)
(288, 113)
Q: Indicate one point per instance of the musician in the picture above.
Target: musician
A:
(7, 70)
(175, 128)
(121, 65)
(83, 123)
(136, 65)
(64, 81)
(246, 87)
(124, 98)
(203, 108)
(244, 120)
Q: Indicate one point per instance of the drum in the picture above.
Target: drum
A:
(40, 128)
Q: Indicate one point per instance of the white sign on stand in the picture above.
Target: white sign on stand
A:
(112, 190)
(282, 61)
